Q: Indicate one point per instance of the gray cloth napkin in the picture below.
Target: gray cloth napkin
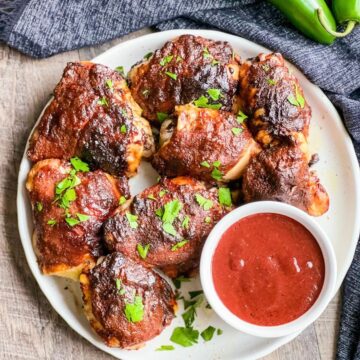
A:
(41, 28)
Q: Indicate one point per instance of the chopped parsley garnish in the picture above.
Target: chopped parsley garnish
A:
(79, 165)
(189, 316)
(122, 200)
(171, 211)
(225, 196)
(214, 93)
(271, 82)
(151, 197)
(206, 53)
(208, 333)
(171, 75)
(219, 332)
(203, 102)
(216, 174)
(52, 222)
(80, 218)
(123, 129)
(162, 192)
(132, 219)
(134, 312)
(216, 163)
(185, 223)
(177, 282)
(184, 336)
(169, 228)
(206, 204)
(208, 219)
(118, 284)
(296, 100)
(195, 293)
(109, 84)
(179, 245)
(205, 164)
(236, 131)
(161, 116)
(165, 348)
(143, 250)
(148, 55)
(214, 62)
(103, 102)
(165, 60)
(159, 212)
(39, 206)
(179, 58)
(120, 70)
(241, 117)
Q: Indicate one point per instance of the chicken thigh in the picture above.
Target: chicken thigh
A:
(183, 70)
(93, 116)
(166, 225)
(69, 206)
(281, 173)
(125, 302)
(207, 144)
(274, 101)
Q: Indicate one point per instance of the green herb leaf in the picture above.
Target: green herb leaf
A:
(208, 219)
(206, 53)
(216, 174)
(143, 250)
(194, 294)
(134, 312)
(165, 60)
(225, 196)
(205, 164)
(123, 129)
(71, 221)
(189, 316)
(169, 228)
(79, 165)
(185, 223)
(177, 282)
(103, 101)
(148, 55)
(214, 62)
(132, 219)
(203, 102)
(109, 84)
(271, 82)
(159, 212)
(122, 200)
(165, 348)
(214, 93)
(216, 163)
(179, 245)
(120, 70)
(184, 336)
(171, 211)
(219, 332)
(299, 97)
(151, 197)
(162, 192)
(83, 217)
(291, 99)
(208, 333)
(179, 58)
(39, 206)
(206, 204)
(171, 75)
(161, 116)
(122, 291)
(118, 283)
(52, 222)
(236, 131)
(241, 117)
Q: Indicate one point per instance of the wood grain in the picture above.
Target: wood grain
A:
(31, 329)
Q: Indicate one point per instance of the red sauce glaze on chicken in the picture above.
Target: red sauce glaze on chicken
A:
(268, 269)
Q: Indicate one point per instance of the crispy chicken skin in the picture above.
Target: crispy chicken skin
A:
(150, 230)
(62, 249)
(199, 64)
(267, 90)
(118, 281)
(281, 173)
(93, 116)
(201, 138)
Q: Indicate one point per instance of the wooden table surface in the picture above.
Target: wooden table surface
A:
(30, 328)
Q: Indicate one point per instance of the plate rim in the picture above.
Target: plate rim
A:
(355, 170)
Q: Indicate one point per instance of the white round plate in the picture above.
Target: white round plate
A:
(338, 170)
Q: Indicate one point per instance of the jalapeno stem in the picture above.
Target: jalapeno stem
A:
(349, 27)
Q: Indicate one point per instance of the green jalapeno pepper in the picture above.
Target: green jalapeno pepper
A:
(303, 15)
(345, 11)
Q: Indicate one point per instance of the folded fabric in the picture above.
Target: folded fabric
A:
(41, 28)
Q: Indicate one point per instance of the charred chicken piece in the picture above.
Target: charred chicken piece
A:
(281, 173)
(93, 116)
(69, 207)
(182, 71)
(125, 302)
(207, 144)
(274, 101)
(167, 224)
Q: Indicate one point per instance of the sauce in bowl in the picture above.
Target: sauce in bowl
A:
(268, 269)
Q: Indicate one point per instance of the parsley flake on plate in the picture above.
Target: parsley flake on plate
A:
(225, 196)
(103, 101)
(143, 250)
(39, 206)
(109, 84)
(184, 336)
(236, 131)
(216, 174)
(185, 223)
(79, 165)
(203, 102)
(208, 333)
(120, 70)
(122, 200)
(123, 129)
(206, 204)
(161, 116)
(271, 82)
(148, 55)
(52, 222)
(165, 348)
(177, 282)
(179, 245)
(296, 100)
(165, 60)
(132, 219)
(134, 311)
(171, 75)
(214, 93)
(169, 229)
(241, 117)
(205, 164)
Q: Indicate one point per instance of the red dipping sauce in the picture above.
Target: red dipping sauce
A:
(268, 269)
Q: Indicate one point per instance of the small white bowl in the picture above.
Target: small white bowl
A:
(310, 315)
